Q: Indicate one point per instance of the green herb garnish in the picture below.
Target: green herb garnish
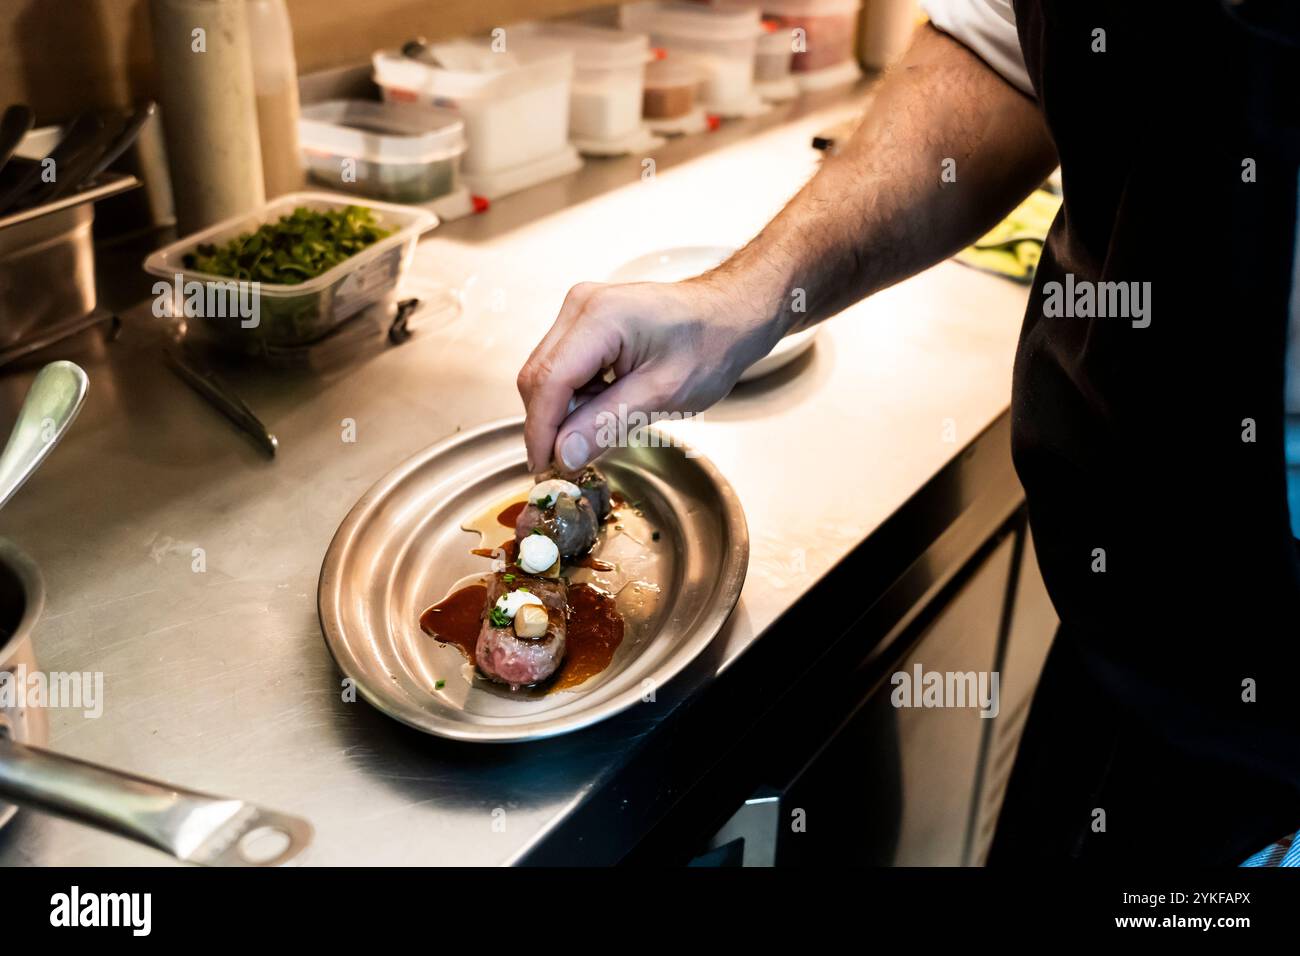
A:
(439, 685)
(545, 503)
(499, 618)
(298, 247)
(507, 578)
(539, 531)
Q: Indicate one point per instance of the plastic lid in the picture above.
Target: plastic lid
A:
(694, 21)
(479, 71)
(595, 47)
(382, 132)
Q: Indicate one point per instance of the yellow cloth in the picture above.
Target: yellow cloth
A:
(1012, 247)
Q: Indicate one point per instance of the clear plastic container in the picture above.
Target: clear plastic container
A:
(515, 103)
(722, 42)
(670, 89)
(775, 50)
(609, 69)
(829, 30)
(403, 152)
(287, 316)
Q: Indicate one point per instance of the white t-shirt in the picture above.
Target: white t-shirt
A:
(987, 27)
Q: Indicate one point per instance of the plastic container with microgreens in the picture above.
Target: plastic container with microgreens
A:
(303, 306)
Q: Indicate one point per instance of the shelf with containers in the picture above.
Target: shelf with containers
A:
(608, 85)
(721, 42)
(514, 101)
(823, 36)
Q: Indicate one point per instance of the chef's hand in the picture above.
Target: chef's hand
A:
(672, 347)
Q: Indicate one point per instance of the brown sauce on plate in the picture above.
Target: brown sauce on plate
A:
(595, 630)
(592, 634)
(512, 513)
(455, 619)
(507, 551)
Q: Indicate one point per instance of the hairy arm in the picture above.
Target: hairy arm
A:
(877, 212)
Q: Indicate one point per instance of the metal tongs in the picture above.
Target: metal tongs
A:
(220, 397)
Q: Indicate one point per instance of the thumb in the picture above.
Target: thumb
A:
(603, 422)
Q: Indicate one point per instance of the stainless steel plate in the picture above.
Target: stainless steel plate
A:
(402, 549)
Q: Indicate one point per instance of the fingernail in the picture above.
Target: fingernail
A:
(574, 451)
(531, 469)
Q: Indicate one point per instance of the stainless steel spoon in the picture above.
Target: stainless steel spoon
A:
(52, 403)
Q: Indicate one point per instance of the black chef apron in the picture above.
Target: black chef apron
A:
(1167, 723)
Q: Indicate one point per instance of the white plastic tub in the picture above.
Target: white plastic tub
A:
(515, 103)
(608, 79)
(775, 49)
(295, 315)
(722, 42)
(399, 152)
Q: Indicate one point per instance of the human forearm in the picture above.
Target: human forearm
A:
(874, 214)
(946, 149)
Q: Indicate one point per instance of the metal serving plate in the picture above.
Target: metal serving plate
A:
(402, 549)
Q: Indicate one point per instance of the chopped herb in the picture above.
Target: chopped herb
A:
(539, 531)
(525, 590)
(499, 618)
(440, 685)
(298, 247)
(507, 578)
(546, 502)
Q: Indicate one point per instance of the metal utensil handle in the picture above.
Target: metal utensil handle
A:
(191, 826)
(52, 403)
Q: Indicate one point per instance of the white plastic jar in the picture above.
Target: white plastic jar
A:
(515, 103)
(608, 79)
(722, 42)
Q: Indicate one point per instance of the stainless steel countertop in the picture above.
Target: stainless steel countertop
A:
(220, 680)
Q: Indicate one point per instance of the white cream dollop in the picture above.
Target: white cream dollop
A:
(509, 604)
(537, 553)
(552, 488)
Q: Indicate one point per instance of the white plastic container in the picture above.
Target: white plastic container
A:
(772, 77)
(295, 315)
(515, 103)
(608, 80)
(399, 152)
(723, 42)
(775, 50)
(670, 105)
